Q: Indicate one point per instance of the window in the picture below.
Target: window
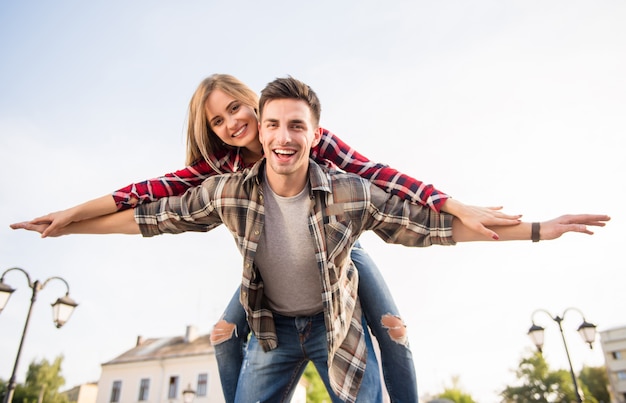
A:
(173, 387)
(617, 355)
(116, 391)
(144, 387)
(621, 375)
(202, 385)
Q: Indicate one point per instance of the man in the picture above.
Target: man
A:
(295, 223)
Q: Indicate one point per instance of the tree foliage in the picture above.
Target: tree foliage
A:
(596, 381)
(542, 385)
(316, 390)
(43, 381)
(455, 393)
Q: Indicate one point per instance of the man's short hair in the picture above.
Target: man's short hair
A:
(290, 88)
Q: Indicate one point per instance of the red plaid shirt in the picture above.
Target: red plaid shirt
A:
(330, 149)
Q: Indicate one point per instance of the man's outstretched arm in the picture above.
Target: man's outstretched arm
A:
(547, 230)
(122, 222)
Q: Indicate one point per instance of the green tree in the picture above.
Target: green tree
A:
(539, 384)
(3, 389)
(595, 381)
(43, 381)
(455, 393)
(316, 390)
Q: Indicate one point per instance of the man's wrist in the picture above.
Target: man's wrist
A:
(534, 233)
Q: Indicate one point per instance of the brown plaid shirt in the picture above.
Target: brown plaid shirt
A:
(342, 207)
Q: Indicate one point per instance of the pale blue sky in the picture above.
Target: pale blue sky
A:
(514, 103)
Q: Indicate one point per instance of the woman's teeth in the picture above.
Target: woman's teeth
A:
(238, 132)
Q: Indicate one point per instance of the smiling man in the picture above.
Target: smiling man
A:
(295, 223)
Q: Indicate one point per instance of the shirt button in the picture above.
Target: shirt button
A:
(256, 232)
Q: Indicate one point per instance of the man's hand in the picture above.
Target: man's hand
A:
(553, 229)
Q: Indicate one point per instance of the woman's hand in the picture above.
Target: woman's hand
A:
(478, 218)
(54, 224)
(40, 227)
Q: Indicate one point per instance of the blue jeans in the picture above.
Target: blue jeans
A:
(272, 376)
(230, 352)
(376, 302)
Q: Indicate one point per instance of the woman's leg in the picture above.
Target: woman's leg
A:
(229, 337)
(387, 326)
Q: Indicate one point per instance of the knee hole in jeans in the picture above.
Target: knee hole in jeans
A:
(222, 331)
(395, 328)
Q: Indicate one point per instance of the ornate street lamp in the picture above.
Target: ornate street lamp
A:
(587, 332)
(188, 394)
(62, 310)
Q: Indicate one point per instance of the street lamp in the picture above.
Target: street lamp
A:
(188, 394)
(587, 332)
(62, 310)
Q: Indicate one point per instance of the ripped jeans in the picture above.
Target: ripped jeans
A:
(272, 376)
(230, 335)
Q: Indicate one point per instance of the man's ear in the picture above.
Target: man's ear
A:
(259, 131)
(317, 138)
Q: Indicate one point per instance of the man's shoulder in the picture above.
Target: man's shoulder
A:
(327, 174)
(348, 186)
(225, 183)
(334, 172)
(225, 177)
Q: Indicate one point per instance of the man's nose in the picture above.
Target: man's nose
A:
(283, 135)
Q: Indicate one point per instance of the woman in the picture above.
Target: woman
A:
(225, 139)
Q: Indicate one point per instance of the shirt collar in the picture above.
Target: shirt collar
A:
(318, 176)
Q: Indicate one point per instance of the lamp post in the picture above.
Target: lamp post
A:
(587, 332)
(188, 394)
(62, 310)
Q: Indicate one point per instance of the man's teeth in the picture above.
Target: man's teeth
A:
(285, 152)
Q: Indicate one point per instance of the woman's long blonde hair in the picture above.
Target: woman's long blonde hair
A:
(202, 142)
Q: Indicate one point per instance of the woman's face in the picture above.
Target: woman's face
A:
(234, 122)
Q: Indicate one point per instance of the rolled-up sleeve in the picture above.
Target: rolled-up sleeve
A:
(402, 222)
(194, 211)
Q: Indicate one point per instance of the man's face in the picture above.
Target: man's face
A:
(287, 134)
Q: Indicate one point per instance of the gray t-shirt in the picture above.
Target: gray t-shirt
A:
(286, 255)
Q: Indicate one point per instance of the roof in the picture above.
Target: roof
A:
(165, 347)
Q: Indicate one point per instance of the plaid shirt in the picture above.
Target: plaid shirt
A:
(342, 207)
(330, 148)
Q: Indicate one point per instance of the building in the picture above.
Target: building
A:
(85, 393)
(159, 370)
(613, 343)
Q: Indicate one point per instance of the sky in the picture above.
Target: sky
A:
(512, 103)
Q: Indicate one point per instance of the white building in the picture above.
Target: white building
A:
(613, 343)
(159, 370)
